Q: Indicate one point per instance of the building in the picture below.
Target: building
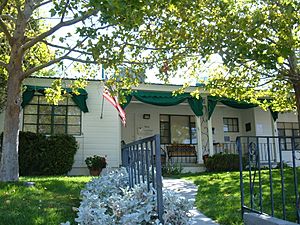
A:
(204, 126)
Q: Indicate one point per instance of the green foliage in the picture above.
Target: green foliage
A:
(41, 155)
(171, 169)
(49, 202)
(223, 162)
(95, 162)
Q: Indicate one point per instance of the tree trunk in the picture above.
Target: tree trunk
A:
(9, 167)
(297, 95)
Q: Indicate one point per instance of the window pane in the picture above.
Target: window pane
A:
(74, 120)
(45, 109)
(231, 125)
(226, 128)
(288, 125)
(164, 126)
(30, 119)
(30, 109)
(35, 100)
(194, 135)
(71, 102)
(60, 110)
(45, 119)
(180, 131)
(45, 129)
(281, 132)
(164, 133)
(30, 128)
(164, 140)
(63, 102)
(280, 125)
(295, 126)
(59, 129)
(164, 118)
(73, 110)
(288, 133)
(296, 133)
(59, 120)
(75, 130)
(42, 100)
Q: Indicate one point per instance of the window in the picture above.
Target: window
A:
(40, 117)
(231, 124)
(177, 129)
(288, 129)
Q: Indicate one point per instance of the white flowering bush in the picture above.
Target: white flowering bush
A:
(108, 200)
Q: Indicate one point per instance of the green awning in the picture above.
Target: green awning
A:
(166, 99)
(80, 99)
(212, 102)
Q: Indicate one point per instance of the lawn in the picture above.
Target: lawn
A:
(50, 201)
(218, 195)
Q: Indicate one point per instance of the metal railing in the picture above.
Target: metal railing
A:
(231, 148)
(260, 191)
(139, 157)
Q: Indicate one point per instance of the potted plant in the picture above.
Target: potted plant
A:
(95, 164)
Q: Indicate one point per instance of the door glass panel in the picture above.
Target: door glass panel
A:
(180, 132)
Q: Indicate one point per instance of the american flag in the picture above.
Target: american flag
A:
(116, 105)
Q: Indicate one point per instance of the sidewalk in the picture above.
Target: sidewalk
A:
(189, 191)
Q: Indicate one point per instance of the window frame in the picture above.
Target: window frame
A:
(232, 119)
(169, 127)
(67, 105)
(285, 143)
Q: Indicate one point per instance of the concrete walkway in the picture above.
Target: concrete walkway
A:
(189, 191)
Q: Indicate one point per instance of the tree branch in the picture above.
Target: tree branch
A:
(3, 64)
(57, 27)
(79, 60)
(2, 6)
(8, 17)
(51, 62)
(66, 48)
(5, 30)
(64, 12)
(41, 4)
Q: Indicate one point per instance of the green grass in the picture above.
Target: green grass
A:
(50, 201)
(218, 195)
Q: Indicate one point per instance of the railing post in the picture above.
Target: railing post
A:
(159, 178)
(240, 151)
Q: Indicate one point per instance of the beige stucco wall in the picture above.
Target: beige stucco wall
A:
(244, 116)
(138, 128)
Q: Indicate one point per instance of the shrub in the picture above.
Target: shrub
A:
(223, 162)
(109, 200)
(42, 155)
(171, 169)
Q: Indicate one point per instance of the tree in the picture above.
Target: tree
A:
(28, 46)
(258, 43)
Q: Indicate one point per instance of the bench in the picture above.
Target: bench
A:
(182, 151)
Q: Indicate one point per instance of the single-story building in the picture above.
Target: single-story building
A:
(207, 125)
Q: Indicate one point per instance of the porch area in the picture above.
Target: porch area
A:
(191, 129)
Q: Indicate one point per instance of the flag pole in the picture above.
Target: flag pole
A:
(102, 106)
